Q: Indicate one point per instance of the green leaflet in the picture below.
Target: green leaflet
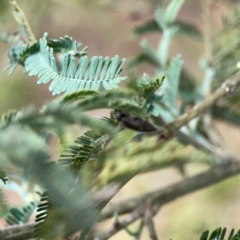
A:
(170, 84)
(149, 88)
(78, 95)
(87, 146)
(172, 11)
(18, 54)
(3, 176)
(20, 215)
(42, 209)
(219, 234)
(92, 75)
(65, 45)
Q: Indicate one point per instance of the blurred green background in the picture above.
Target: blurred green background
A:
(105, 26)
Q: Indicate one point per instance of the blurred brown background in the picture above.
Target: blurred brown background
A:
(105, 26)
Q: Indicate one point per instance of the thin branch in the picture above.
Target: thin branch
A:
(136, 214)
(207, 31)
(148, 219)
(22, 21)
(17, 232)
(162, 196)
(136, 205)
(136, 234)
(190, 184)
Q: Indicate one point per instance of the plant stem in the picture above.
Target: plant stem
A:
(23, 22)
(207, 31)
(165, 195)
(164, 47)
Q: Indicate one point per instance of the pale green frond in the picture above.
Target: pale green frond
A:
(18, 54)
(85, 75)
(171, 83)
(160, 16)
(172, 10)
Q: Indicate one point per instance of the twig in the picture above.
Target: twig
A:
(162, 196)
(207, 32)
(157, 198)
(121, 224)
(227, 88)
(215, 174)
(17, 232)
(23, 22)
(148, 219)
(136, 234)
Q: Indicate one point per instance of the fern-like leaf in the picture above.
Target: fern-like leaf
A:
(92, 75)
(149, 88)
(67, 44)
(219, 234)
(87, 146)
(3, 176)
(76, 155)
(42, 212)
(21, 215)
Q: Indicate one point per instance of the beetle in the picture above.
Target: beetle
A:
(133, 122)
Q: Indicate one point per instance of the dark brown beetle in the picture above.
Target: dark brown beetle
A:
(132, 122)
